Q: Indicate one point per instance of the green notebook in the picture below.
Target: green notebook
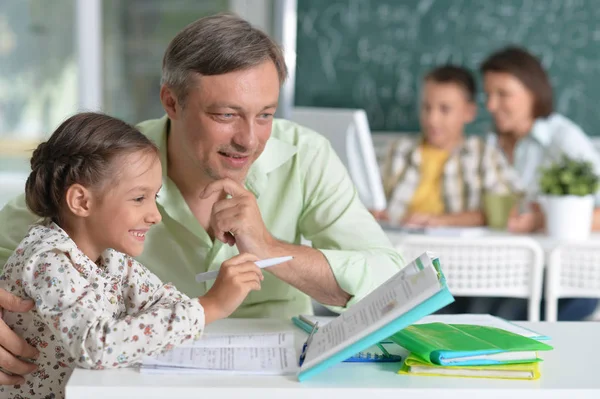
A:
(467, 345)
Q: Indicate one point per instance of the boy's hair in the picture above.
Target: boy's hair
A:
(216, 45)
(530, 72)
(457, 75)
(80, 151)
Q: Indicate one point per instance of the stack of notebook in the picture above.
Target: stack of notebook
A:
(465, 350)
(398, 310)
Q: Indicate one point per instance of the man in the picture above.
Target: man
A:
(235, 180)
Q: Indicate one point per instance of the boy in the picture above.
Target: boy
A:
(439, 179)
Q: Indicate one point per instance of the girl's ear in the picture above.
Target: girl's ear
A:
(79, 200)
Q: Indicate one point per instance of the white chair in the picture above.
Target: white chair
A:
(486, 266)
(573, 272)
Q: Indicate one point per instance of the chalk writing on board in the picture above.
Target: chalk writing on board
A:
(372, 54)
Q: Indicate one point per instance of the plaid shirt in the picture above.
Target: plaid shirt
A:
(471, 170)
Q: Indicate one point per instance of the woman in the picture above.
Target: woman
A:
(528, 131)
(531, 134)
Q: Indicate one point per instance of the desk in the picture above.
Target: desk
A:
(546, 242)
(567, 370)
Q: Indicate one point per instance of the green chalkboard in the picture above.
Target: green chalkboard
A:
(372, 54)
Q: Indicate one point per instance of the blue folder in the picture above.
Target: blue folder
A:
(430, 305)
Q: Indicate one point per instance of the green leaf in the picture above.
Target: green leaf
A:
(569, 177)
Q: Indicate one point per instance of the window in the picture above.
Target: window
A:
(38, 68)
(136, 34)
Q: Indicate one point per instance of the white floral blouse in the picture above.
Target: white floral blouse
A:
(89, 315)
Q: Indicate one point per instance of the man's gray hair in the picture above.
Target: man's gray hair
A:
(216, 45)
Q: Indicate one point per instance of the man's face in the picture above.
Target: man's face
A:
(226, 121)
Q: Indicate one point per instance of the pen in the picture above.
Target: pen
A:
(306, 320)
(307, 343)
(200, 277)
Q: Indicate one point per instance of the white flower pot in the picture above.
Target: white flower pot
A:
(568, 217)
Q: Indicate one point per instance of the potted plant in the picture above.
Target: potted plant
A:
(568, 189)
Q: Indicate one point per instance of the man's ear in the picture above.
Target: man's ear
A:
(79, 200)
(471, 112)
(169, 101)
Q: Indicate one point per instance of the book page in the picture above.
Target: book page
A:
(257, 353)
(240, 360)
(403, 291)
(266, 340)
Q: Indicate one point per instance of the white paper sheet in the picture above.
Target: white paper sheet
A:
(267, 340)
(272, 354)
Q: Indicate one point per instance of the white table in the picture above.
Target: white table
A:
(568, 370)
(546, 242)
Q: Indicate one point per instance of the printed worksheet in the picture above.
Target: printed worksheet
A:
(258, 340)
(270, 354)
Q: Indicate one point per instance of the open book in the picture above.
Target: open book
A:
(259, 353)
(414, 292)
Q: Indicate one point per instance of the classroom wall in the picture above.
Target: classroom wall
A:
(372, 54)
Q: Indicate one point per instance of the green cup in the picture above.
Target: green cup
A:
(497, 209)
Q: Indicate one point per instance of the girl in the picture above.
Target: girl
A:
(94, 183)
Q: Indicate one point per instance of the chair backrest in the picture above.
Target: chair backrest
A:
(573, 271)
(486, 266)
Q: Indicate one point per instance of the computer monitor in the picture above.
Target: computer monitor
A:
(350, 136)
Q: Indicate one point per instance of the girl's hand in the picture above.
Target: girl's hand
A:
(237, 277)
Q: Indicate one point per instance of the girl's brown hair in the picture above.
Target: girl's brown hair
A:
(80, 151)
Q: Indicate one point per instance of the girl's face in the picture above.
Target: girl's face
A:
(122, 214)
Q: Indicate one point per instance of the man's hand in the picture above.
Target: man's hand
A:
(237, 220)
(11, 345)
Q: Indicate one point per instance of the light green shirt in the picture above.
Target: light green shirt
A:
(302, 190)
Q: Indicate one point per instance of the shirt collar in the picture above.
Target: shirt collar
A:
(460, 149)
(541, 132)
(276, 153)
(82, 263)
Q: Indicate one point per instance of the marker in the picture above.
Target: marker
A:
(201, 277)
